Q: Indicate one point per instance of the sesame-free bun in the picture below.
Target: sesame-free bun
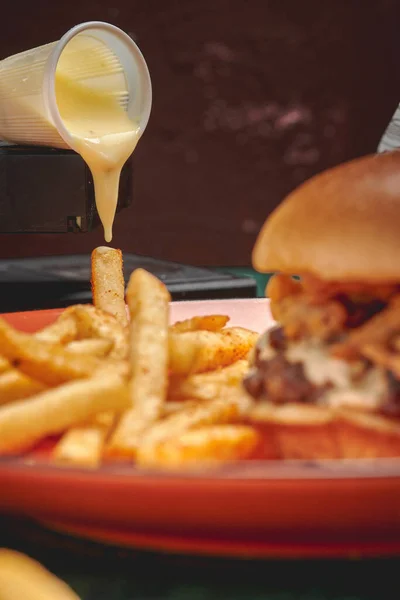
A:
(341, 225)
(310, 432)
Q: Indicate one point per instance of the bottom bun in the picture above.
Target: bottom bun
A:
(298, 431)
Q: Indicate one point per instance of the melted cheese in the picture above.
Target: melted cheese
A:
(101, 129)
(320, 368)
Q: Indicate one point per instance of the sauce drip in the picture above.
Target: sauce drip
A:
(92, 109)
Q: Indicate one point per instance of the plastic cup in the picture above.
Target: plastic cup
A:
(95, 55)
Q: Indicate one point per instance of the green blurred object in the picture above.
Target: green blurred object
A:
(261, 278)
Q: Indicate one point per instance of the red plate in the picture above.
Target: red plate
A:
(256, 509)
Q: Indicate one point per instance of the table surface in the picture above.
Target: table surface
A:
(99, 572)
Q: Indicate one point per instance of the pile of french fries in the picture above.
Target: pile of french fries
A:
(116, 381)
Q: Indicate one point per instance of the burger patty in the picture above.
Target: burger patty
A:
(280, 381)
(275, 378)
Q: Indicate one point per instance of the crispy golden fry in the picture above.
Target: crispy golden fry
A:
(199, 351)
(62, 331)
(22, 578)
(94, 347)
(148, 301)
(210, 412)
(205, 386)
(5, 364)
(55, 410)
(104, 419)
(173, 407)
(108, 285)
(83, 445)
(14, 385)
(206, 323)
(199, 447)
(94, 323)
(49, 363)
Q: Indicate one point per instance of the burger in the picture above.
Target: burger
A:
(325, 378)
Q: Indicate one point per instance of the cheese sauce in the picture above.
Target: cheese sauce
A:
(102, 131)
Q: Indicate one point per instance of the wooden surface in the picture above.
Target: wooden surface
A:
(250, 99)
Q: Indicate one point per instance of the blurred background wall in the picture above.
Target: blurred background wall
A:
(250, 99)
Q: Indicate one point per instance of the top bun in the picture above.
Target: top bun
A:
(341, 225)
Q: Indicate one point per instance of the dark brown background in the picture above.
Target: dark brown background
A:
(250, 98)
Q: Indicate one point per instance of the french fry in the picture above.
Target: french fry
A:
(5, 364)
(118, 387)
(199, 447)
(82, 446)
(104, 419)
(14, 385)
(108, 284)
(173, 407)
(94, 323)
(205, 386)
(148, 301)
(62, 331)
(206, 323)
(199, 351)
(229, 408)
(92, 347)
(22, 578)
(53, 411)
(49, 363)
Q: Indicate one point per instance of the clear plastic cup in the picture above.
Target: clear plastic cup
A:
(95, 55)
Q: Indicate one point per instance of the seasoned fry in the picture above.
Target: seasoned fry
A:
(108, 284)
(94, 323)
(55, 410)
(82, 446)
(5, 364)
(114, 385)
(199, 447)
(205, 386)
(22, 578)
(104, 419)
(49, 363)
(210, 412)
(94, 347)
(14, 385)
(148, 301)
(171, 408)
(206, 323)
(62, 331)
(199, 351)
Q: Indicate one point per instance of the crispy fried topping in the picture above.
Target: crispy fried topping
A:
(300, 317)
(373, 336)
